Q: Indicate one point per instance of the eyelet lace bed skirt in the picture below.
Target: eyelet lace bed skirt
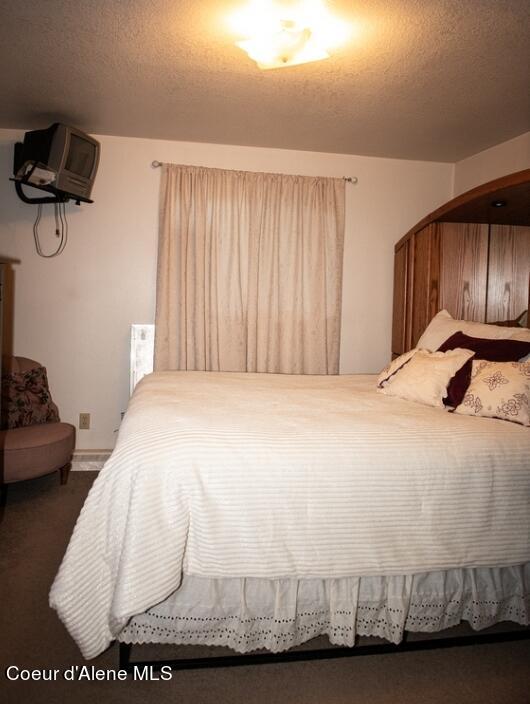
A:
(246, 614)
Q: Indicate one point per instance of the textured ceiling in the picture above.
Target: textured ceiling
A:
(423, 79)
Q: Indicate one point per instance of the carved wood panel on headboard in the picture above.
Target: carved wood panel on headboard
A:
(509, 272)
(471, 257)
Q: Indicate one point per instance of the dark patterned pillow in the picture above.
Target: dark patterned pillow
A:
(26, 399)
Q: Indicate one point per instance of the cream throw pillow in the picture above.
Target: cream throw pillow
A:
(443, 325)
(425, 377)
(498, 390)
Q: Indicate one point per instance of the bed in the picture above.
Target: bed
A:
(261, 510)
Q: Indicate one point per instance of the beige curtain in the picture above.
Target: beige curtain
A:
(249, 272)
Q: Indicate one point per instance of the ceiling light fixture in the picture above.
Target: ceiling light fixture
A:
(287, 34)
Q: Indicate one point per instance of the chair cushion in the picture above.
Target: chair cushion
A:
(36, 450)
(26, 398)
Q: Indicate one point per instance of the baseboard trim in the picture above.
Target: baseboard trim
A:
(89, 460)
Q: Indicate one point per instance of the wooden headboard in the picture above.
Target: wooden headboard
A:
(471, 257)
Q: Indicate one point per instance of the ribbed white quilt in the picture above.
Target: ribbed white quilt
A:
(257, 475)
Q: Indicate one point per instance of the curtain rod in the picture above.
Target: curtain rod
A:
(350, 179)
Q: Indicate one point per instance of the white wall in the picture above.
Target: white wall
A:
(500, 160)
(73, 313)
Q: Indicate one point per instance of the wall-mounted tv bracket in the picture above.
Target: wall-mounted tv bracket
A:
(57, 197)
(38, 200)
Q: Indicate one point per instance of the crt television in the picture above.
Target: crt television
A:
(59, 159)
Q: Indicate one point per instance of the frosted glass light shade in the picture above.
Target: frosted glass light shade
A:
(277, 35)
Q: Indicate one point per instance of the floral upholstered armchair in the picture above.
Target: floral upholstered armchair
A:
(33, 441)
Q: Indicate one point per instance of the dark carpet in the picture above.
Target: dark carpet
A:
(38, 520)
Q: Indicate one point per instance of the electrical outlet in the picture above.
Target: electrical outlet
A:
(84, 421)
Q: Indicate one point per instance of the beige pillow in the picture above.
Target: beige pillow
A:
(393, 367)
(443, 325)
(498, 390)
(425, 377)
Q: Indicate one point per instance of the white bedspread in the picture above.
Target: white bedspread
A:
(226, 475)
